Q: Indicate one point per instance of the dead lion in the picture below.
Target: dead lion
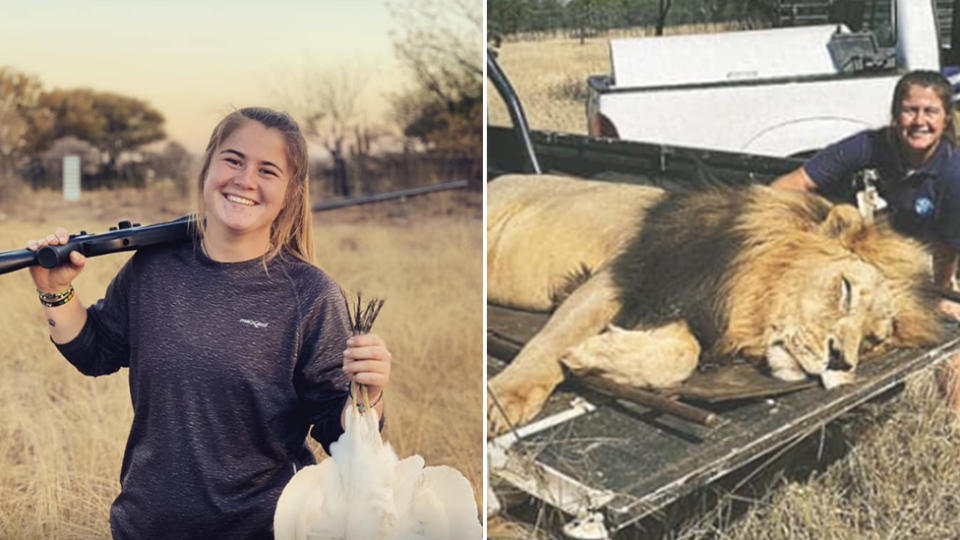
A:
(782, 278)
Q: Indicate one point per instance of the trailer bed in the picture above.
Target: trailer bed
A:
(627, 461)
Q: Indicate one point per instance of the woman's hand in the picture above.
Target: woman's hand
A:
(367, 361)
(951, 310)
(65, 320)
(56, 280)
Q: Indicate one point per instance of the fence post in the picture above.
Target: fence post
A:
(71, 178)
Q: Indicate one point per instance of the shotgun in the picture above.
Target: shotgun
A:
(125, 236)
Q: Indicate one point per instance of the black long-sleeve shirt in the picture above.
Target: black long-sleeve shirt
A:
(229, 365)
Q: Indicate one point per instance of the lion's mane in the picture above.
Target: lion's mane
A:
(696, 252)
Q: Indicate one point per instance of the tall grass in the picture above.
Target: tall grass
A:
(897, 479)
(550, 76)
(62, 434)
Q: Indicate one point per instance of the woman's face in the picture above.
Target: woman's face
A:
(246, 182)
(921, 121)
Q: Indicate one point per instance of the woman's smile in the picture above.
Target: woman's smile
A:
(239, 200)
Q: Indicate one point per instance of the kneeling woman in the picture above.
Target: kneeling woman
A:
(919, 170)
(235, 344)
(918, 167)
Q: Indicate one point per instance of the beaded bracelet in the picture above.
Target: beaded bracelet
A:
(361, 408)
(56, 299)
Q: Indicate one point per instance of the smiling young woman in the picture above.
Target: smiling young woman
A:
(243, 192)
(236, 344)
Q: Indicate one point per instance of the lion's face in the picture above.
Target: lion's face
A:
(832, 313)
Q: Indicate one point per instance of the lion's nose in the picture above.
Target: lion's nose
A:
(837, 360)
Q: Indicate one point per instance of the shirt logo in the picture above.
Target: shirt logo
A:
(923, 206)
(255, 324)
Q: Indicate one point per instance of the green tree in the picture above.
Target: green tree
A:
(174, 163)
(112, 122)
(25, 126)
(588, 17)
(662, 11)
(509, 16)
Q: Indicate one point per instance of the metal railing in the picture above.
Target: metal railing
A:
(389, 195)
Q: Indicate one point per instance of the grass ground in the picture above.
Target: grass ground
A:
(62, 434)
(897, 478)
(550, 76)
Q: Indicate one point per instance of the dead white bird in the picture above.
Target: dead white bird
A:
(363, 491)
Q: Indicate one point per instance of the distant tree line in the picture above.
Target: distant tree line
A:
(579, 18)
(440, 115)
(39, 127)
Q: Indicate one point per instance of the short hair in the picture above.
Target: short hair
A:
(927, 79)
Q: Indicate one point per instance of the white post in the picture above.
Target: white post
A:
(71, 178)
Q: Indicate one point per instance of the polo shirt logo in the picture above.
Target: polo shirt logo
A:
(923, 206)
(255, 324)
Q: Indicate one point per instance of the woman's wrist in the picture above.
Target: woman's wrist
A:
(54, 289)
(58, 298)
(374, 401)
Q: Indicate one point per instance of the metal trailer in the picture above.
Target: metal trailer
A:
(606, 462)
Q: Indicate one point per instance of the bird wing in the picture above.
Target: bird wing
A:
(444, 503)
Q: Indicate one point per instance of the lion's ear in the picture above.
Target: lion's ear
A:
(843, 223)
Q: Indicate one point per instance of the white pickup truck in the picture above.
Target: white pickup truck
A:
(779, 92)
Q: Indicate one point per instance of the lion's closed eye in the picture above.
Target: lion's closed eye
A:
(870, 341)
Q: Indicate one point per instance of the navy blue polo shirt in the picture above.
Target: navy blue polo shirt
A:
(925, 203)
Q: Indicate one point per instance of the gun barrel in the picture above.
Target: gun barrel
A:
(17, 259)
(91, 245)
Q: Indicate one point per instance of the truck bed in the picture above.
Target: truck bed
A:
(670, 167)
(593, 455)
(627, 461)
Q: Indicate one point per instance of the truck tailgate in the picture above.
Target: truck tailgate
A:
(627, 461)
(722, 57)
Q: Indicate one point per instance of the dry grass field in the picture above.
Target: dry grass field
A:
(550, 76)
(62, 434)
(897, 478)
(896, 467)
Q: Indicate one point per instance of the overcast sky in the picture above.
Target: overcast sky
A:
(197, 60)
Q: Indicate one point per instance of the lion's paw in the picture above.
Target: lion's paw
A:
(513, 404)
